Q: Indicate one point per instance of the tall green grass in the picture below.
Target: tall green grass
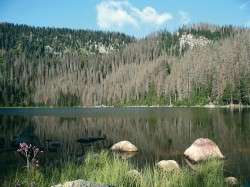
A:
(111, 169)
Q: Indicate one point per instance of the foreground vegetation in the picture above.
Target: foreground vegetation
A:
(112, 170)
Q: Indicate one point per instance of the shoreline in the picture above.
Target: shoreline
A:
(233, 106)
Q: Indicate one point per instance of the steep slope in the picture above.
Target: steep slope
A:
(195, 65)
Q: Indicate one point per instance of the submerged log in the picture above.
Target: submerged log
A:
(203, 149)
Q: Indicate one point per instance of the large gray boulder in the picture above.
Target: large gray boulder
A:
(124, 146)
(203, 149)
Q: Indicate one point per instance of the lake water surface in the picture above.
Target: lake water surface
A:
(159, 133)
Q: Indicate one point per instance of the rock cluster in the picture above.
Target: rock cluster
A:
(201, 150)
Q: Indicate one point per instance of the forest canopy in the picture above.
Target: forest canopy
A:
(195, 65)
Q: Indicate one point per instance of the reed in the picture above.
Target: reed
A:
(108, 168)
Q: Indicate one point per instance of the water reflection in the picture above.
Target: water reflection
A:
(159, 133)
(26, 136)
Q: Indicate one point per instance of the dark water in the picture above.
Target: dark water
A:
(159, 133)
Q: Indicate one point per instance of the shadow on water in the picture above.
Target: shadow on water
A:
(159, 133)
(26, 136)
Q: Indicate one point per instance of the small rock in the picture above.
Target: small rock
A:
(134, 173)
(231, 181)
(124, 146)
(168, 165)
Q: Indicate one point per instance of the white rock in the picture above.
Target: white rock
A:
(203, 149)
(231, 181)
(124, 146)
(168, 165)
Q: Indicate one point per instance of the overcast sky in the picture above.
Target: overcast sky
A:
(137, 18)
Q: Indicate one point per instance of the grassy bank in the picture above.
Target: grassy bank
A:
(111, 169)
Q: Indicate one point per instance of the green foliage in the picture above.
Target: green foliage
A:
(170, 44)
(111, 169)
(35, 62)
(216, 33)
(68, 100)
(2, 66)
(238, 92)
(208, 174)
(53, 41)
(199, 98)
(149, 98)
(11, 96)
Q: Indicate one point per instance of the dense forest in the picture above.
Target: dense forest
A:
(195, 65)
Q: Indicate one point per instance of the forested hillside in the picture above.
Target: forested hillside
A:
(61, 67)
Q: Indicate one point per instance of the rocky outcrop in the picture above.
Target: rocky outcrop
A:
(203, 149)
(192, 41)
(168, 165)
(124, 146)
(81, 183)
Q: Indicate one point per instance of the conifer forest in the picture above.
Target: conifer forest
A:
(195, 65)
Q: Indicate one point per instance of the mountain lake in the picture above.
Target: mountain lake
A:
(160, 133)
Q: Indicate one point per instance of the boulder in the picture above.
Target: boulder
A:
(135, 175)
(231, 181)
(203, 149)
(168, 165)
(26, 136)
(124, 146)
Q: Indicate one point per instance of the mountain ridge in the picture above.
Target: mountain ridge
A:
(156, 70)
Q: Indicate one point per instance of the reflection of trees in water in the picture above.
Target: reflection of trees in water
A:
(161, 136)
(11, 126)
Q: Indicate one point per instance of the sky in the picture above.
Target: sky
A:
(137, 18)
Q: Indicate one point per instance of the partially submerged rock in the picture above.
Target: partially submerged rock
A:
(27, 136)
(231, 181)
(89, 139)
(203, 149)
(124, 146)
(53, 145)
(168, 165)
